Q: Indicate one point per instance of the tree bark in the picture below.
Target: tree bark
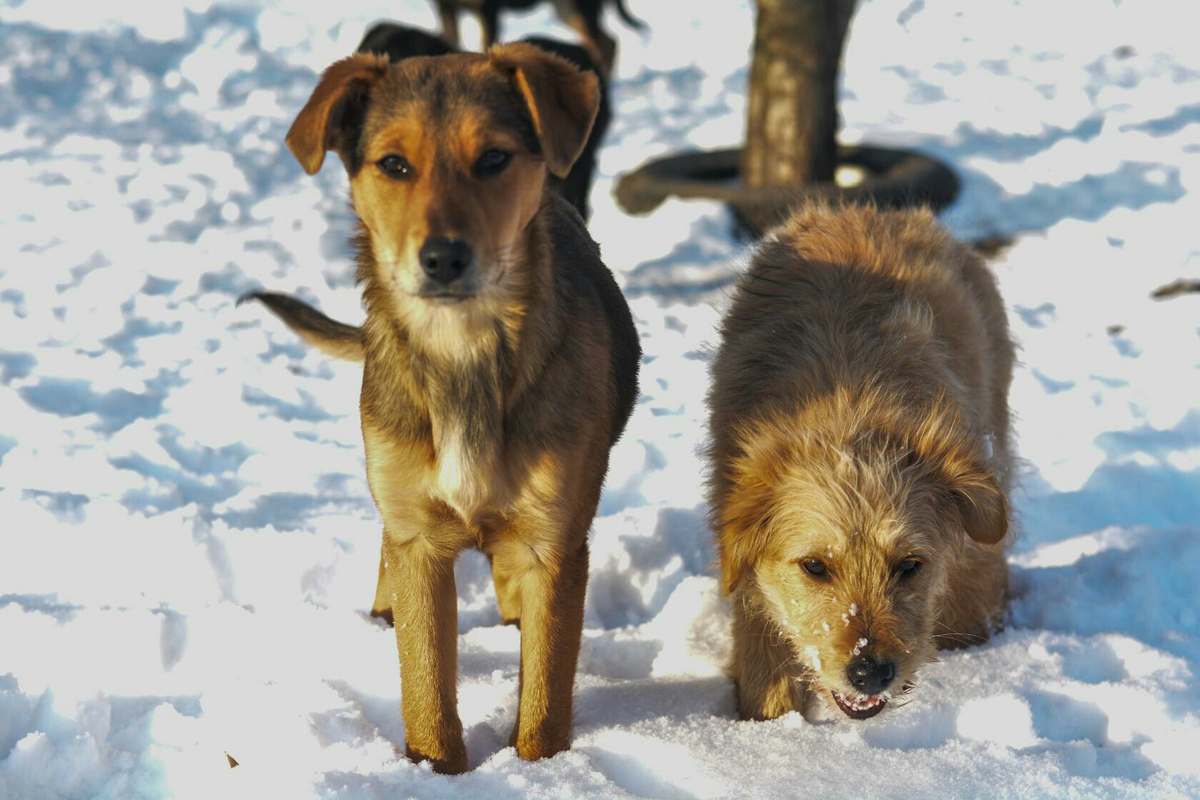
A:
(791, 137)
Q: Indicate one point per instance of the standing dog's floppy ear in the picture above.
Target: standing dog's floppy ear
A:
(562, 99)
(334, 114)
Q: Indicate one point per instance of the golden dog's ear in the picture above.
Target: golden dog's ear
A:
(972, 491)
(562, 99)
(732, 567)
(741, 549)
(960, 467)
(333, 116)
(742, 513)
(982, 505)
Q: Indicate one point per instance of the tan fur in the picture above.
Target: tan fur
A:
(487, 422)
(859, 417)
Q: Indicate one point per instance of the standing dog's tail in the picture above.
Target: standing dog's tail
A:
(327, 335)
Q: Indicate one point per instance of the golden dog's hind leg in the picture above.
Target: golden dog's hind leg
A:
(551, 627)
(425, 612)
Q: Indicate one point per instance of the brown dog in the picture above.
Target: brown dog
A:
(859, 453)
(500, 359)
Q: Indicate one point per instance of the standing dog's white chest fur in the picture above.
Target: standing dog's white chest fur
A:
(466, 423)
(463, 472)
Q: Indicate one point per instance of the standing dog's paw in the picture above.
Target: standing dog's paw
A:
(538, 744)
(453, 763)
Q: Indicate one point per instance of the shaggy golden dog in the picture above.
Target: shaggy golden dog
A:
(859, 422)
(499, 359)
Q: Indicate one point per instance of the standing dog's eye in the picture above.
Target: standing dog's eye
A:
(815, 567)
(395, 167)
(908, 567)
(492, 162)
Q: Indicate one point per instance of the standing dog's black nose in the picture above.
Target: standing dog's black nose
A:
(445, 260)
(870, 676)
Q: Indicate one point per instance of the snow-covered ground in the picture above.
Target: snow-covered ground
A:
(187, 543)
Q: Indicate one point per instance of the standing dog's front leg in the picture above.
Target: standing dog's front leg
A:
(425, 613)
(551, 626)
(422, 537)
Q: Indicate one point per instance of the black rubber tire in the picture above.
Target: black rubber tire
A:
(895, 179)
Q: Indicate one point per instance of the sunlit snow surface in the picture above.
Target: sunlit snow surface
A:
(187, 543)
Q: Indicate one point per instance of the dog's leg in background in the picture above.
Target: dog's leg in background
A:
(489, 20)
(764, 667)
(448, 11)
(583, 16)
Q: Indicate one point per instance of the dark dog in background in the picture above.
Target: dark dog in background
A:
(399, 42)
(582, 15)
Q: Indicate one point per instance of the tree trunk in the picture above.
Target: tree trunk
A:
(791, 137)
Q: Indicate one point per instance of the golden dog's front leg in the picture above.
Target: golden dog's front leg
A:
(425, 613)
(551, 626)
(764, 668)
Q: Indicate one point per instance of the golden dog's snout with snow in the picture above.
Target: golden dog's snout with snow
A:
(860, 458)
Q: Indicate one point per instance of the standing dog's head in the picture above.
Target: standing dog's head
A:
(844, 538)
(448, 158)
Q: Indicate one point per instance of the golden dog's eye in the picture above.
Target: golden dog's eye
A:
(815, 567)
(908, 567)
(395, 167)
(492, 162)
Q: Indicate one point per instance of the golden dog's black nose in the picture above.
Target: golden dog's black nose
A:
(445, 260)
(870, 676)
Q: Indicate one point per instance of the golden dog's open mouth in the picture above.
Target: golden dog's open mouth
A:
(860, 706)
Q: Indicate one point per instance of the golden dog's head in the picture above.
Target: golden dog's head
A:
(448, 158)
(845, 540)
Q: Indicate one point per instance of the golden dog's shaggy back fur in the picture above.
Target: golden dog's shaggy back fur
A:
(859, 406)
(846, 311)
